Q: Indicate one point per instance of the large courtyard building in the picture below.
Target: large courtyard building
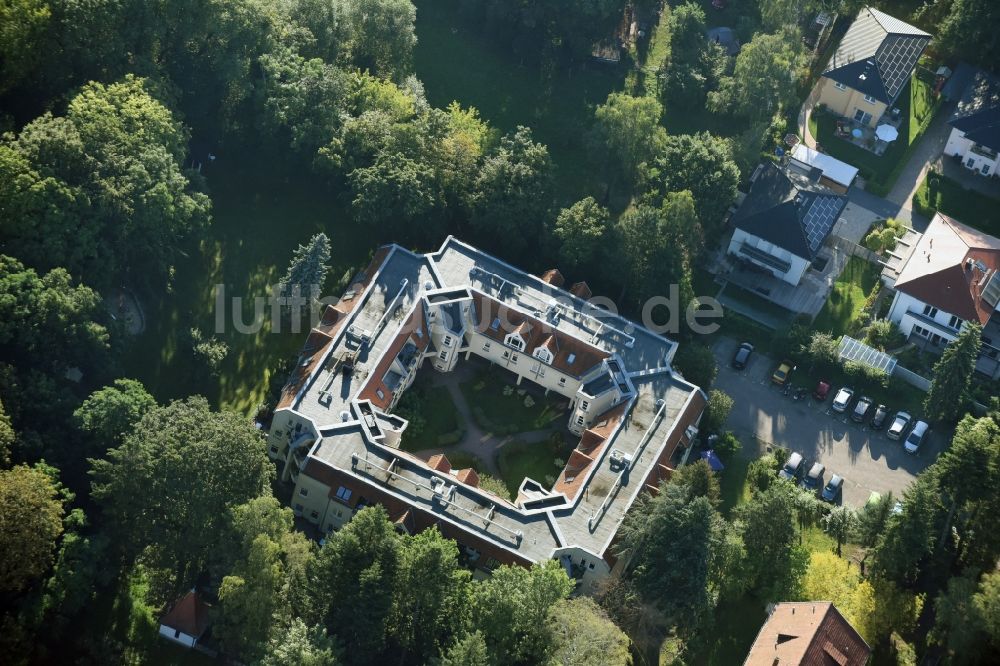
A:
(336, 437)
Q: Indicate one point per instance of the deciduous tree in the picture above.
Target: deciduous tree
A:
(763, 79)
(110, 413)
(583, 635)
(31, 512)
(582, 231)
(629, 129)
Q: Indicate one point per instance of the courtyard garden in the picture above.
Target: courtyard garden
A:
(539, 461)
(434, 421)
(940, 194)
(502, 408)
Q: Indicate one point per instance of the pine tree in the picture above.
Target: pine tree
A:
(306, 272)
(953, 374)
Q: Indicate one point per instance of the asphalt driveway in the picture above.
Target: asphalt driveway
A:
(868, 460)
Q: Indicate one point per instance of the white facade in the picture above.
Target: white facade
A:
(979, 159)
(912, 315)
(177, 636)
(796, 265)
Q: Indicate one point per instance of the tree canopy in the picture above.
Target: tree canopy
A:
(31, 512)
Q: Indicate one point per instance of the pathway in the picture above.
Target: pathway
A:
(476, 442)
(927, 152)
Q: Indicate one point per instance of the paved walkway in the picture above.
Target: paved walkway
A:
(483, 445)
(927, 152)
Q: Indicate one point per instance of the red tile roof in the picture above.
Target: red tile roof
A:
(808, 633)
(939, 273)
(572, 355)
(581, 290)
(468, 477)
(440, 462)
(375, 381)
(189, 615)
(553, 277)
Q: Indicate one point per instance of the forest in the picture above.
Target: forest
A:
(152, 150)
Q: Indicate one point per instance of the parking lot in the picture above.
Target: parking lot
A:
(867, 459)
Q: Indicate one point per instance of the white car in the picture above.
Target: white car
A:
(916, 437)
(900, 423)
(842, 399)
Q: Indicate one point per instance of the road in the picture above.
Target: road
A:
(868, 461)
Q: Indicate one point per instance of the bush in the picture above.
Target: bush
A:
(865, 375)
(493, 485)
(211, 351)
(717, 411)
(762, 472)
(728, 443)
(697, 363)
(822, 350)
(881, 334)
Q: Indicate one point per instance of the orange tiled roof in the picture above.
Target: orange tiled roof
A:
(375, 381)
(581, 290)
(469, 477)
(440, 463)
(553, 277)
(808, 633)
(189, 615)
(572, 356)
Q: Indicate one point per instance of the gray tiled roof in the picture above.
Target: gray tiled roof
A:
(790, 211)
(877, 55)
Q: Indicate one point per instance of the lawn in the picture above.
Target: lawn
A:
(459, 61)
(502, 408)
(439, 422)
(541, 461)
(848, 297)
(735, 627)
(917, 105)
(939, 193)
(733, 481)
(258, 220)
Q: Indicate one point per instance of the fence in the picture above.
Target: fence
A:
(911, 378)
(849, 247)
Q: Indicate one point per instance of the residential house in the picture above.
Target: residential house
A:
(871, 66)
(186, 621)
(949, 279)
(807, 633)
(784, 221)
(975, 125)
(834, 174)
(336, 439)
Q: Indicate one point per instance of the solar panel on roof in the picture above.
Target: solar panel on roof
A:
(991, 294)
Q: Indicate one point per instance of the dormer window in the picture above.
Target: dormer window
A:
(495, 326)
(544, 355)
(570, 359)
(447, 341)
(514, 340)
(839, 86)
(584, 405)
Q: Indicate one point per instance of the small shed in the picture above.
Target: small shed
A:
(837, 175)
(186, 621)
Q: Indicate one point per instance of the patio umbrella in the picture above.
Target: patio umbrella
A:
(886, 132)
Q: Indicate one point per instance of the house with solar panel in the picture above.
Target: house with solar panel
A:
(871, 66)
(784, 221)
(950, 277)
(975, 125)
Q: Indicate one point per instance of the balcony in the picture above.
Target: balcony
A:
(762, 257)
(983, 151)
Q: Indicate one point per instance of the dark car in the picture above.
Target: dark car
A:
(793, 467)
(900, 424)
(880, 417)
(832, 491)
(814, 478)
(861, 409)
(742, 356)
(822, 390)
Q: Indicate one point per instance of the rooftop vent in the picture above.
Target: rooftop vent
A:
(345, 416)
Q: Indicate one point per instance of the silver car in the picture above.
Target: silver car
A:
(916, 437)
(900, 423)
(842, 399)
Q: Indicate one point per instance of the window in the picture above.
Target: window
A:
(930, 311)
(971, 163)
(513, 358)
(584, 405)
(955, 323)
(298, 507)
(579, 420)
(591, 565)
(420, 333)
(314, 514)
(562, 381)
(447, 341)
(303, 491)
(839, 86)
(570, 359)
(506, 354)
(862, 117)
(177, 633)
(496, 324)
(443, 355)
(986, 170)
(343, 493)
(274, 449)
(380, 393)
(869, 99)
(486, 347)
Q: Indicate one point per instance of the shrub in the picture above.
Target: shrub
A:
(697, 363)
(728, 443)
(866, 375)
(717, 411)
(881, 334)
(211, 351)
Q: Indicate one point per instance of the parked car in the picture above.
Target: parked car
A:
(916, 437)
(880, 417)
(783, 373)
(822, 390)
(833, 489)
(842, 399)
(793, 467)
(814, 478)
(742, 356)
(900, 424)
(861, 408)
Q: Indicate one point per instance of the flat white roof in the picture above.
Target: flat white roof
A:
(832, 168)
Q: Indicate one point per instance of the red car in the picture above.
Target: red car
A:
(822, 389)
